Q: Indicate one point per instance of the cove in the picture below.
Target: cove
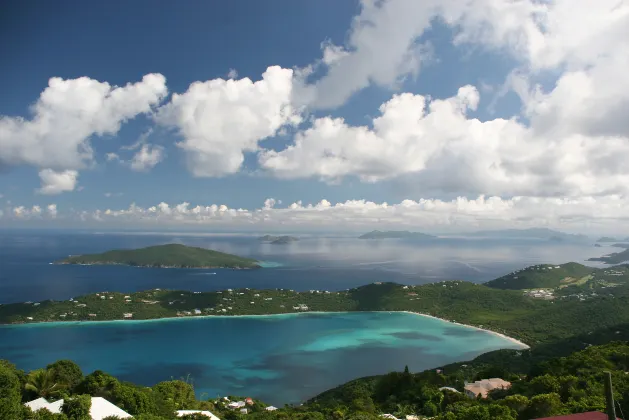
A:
(277, 358)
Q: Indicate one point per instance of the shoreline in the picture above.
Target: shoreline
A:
(179, 318)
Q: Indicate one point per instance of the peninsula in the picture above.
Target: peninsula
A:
(615, 258)
(576, 299)
(278, 240)
(164, 256)
(395, 234)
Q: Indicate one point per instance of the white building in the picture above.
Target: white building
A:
(100, 408)
(181, 413)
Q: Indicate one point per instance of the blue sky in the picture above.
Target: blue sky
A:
(187, 42)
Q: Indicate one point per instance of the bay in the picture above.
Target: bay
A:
(279, 359)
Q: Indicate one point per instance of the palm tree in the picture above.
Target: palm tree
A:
(42, 383)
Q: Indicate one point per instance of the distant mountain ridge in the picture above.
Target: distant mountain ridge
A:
(532, 233)
(395, 234)
(615, 258)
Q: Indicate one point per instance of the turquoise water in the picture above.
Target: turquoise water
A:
(280, 359)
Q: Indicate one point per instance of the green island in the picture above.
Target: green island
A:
(278, 240)
(164, 256)
(395, 234)
(574, 318)
(615, 258)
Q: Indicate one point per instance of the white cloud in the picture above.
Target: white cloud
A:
(67, 114)
(140, 141)
(220, 119)
(52, 210)
(381, 49)
(147, 157)
(110, 194)
(57, 182)
(112, 157)
(593, 214)
(34, 212)
(232, 74)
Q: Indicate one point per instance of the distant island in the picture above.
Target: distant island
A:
(164, 256)
(532, 233)
(395, 234)
(278, 240)
(607, 239)
(619, 245)
(615, 258)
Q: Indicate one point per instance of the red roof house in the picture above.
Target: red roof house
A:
(591, 415)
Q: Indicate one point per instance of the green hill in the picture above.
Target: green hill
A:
(171, 256)
(542, 276)
(615, 258)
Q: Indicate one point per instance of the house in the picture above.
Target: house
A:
(128, 315)
(236, 404)
(249, 401)
(197, 311)
(243, 411)
(388, 416)
(591, 415)
(271, 408)
(100, 409)
(181, 413)
(482, 387)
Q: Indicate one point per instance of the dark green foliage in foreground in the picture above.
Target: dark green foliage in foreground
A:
(171, 255)
(77, 407)
(551, 386)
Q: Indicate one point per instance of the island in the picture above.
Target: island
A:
(532, 233)
(608, 239)
(395, 234)
(164, 256)
(615, 258)
(278, 240)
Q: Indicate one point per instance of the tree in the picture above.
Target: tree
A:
(545, 405)
(66, 372)
(180, 393)
(44, 414)
(133, 399)
(42, 383)
(545, 384)
(97, 384)
(518, 403)
(10, 395)
(77, 408)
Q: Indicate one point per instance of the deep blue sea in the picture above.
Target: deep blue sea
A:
(281, 359)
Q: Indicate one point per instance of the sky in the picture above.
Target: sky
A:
(431, 115)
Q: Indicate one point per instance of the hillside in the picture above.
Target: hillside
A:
(615, 258)
(169, 256)
(395, 234)
(542, 276)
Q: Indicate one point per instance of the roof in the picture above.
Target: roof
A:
(100, 409)
(181, 413)
(591, 415)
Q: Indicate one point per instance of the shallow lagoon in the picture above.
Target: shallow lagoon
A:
(279, 359)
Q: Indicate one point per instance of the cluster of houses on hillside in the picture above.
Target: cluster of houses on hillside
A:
(540, 294)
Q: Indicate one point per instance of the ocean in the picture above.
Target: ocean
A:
(280, 359)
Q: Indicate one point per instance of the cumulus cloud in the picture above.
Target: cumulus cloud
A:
(67, 114)
(597, 214)
(53, 182)
(34, 212)
(220, 120)
(147, 157)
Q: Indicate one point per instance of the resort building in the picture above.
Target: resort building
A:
(271, 408)
(100, 408)
(482, 387)
(236, 404)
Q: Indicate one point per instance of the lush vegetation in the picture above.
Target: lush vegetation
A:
(278, 239)
(171, 256)
(578, 308)
(549, 386)
(542, 276)
(395, 234)
(615, 258)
